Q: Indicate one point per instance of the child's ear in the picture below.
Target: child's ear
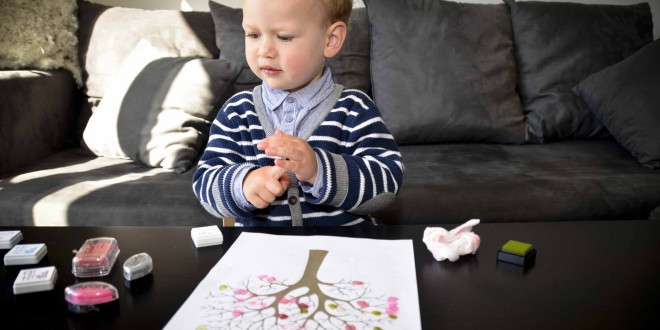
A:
(336, 37)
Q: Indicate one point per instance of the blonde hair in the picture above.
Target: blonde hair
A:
(337, 10)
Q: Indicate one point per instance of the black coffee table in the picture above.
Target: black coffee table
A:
(597, 275)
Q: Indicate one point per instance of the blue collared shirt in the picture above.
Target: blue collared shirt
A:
(292, 112)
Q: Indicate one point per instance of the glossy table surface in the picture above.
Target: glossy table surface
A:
(588, 275)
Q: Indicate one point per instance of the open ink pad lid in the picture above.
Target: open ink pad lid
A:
(206, 236)
(8, 239)
(25, 254)
(95, 257)
(137, 266)
(35, 280)
(87, 296)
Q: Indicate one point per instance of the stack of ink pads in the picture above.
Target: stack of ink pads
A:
(30, 279)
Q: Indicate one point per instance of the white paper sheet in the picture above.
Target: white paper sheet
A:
(306, 282)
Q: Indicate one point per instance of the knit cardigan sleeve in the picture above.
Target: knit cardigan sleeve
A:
(362, 165)
(229, 149)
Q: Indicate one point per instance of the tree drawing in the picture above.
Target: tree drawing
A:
(266, 302)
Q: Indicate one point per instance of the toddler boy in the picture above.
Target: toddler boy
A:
(299, 149)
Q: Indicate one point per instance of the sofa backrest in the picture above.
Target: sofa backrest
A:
(444, 71)
(439, 71)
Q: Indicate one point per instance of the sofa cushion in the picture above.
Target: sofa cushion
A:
(444, 71)
(557, 46)
(39, 35)
(568, 180)
(108, 35)
(560, 181)
(159, 109)
(350, 67)
(72, 189)
(625, 97)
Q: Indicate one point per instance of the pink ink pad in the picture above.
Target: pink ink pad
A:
(87, 296)
(95, 257)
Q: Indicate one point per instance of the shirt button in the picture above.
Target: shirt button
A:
(289, 119)
(293, 200)
(289, 100)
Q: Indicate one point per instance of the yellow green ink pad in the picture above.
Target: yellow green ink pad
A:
(517, 253)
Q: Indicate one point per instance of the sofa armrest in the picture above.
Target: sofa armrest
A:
(37, 113)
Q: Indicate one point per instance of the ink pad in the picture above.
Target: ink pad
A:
(25, 254)
(517, 253)
(206, 236)
(8, 239)
(88, 297)
(35, 280)
(95, 257)
(137, 266)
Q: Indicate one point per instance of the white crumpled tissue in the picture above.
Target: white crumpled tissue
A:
(454, 243)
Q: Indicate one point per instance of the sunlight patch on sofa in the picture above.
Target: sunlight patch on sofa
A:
(76, 168)
(53, 209)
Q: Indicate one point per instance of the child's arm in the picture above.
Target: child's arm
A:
(228, 153)
(366, 172)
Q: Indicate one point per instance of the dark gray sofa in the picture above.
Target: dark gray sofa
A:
(474, 152)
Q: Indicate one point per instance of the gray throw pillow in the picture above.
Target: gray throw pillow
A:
(559, 44)
(158, 110)
(107, 35)
(625, 97)
(349, 68)
(444, 71)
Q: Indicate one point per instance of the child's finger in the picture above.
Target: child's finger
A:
(257, 201)
(263, 144)
(285, 181)
(266, 196)
(275, 188)
(285, 151)
(288, 165)
(276, 139)
(279, 181)
(276, 171)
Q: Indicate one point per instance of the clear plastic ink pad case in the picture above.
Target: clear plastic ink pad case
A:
(35, 280)
(8, 239)
(206, 236)
(25, 254)
(137, 266)
(89, 296)
(95, 257)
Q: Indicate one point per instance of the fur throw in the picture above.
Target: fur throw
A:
(39, 34)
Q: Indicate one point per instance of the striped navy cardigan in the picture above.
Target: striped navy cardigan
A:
(362, 166)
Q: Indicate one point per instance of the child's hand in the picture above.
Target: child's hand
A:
(299, 156)
(263, 185)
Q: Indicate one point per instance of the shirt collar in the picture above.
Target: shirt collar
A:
(308, 97)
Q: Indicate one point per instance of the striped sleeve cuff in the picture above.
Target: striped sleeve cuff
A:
(335, 176)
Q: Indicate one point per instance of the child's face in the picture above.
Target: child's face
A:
(285, 41)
